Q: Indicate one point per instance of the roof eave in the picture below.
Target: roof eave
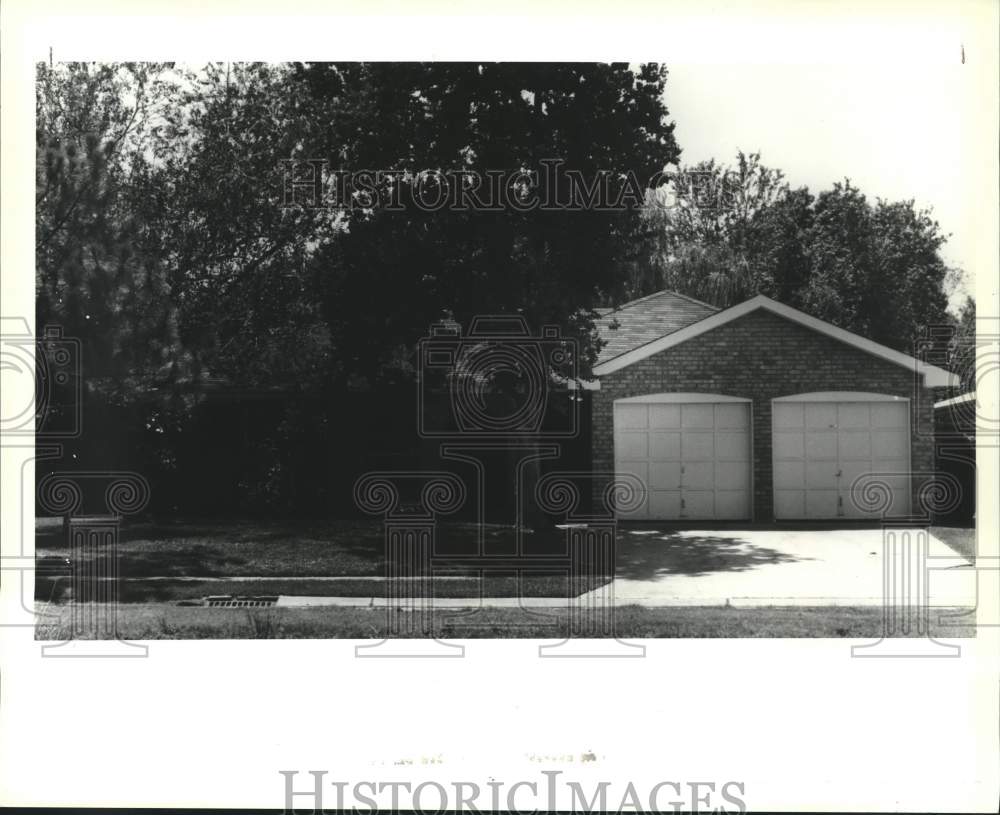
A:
(933, 376)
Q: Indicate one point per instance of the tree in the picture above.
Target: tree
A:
(393, 273)
(875, 269)
(962, 351)
(212, 203)
(93, 279)
(722, 233)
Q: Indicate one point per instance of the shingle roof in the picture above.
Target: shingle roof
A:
(647, 319)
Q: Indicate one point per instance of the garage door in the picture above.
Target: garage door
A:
(692, 453)
(822, 443)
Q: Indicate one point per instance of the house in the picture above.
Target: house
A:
(759, 412)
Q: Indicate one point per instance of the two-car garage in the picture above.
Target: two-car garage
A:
(759, 412)
(835, 455)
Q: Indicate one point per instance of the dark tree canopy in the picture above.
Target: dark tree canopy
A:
(165, 244)
(395, 272)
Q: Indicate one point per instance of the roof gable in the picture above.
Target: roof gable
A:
(645, 320)
(933, 376)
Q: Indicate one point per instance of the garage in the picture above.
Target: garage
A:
(823, 442)
(808, 408)
(691, 451)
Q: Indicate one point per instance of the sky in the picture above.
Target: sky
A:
(896, 130)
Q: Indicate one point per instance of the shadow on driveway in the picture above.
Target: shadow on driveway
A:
(647, 554)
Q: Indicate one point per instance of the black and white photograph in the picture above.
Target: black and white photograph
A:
(395, 352)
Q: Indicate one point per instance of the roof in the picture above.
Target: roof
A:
(676, 334)
(647, 319)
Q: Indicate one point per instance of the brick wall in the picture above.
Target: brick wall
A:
(761, 356)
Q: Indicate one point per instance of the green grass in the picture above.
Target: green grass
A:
(167, 621)
(961, 539)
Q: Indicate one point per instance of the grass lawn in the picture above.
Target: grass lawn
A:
(222, 550)
(167, 621)
(151, 591)
(239, 548)
(278, 548)
(961, 539)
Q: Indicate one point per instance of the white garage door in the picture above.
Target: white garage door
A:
(690, 451)
(822, 443)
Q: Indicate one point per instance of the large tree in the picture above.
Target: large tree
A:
(165, 242)
(394, 272)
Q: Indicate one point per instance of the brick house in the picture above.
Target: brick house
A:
(758, 412)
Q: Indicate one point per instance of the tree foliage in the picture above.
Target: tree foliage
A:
(872, 268)
(94, 275)
(235, 257)
(164, 242)
(393, 273)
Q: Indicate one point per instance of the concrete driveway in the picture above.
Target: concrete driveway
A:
(775, 567)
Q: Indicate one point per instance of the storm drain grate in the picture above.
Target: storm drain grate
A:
(228, 601)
